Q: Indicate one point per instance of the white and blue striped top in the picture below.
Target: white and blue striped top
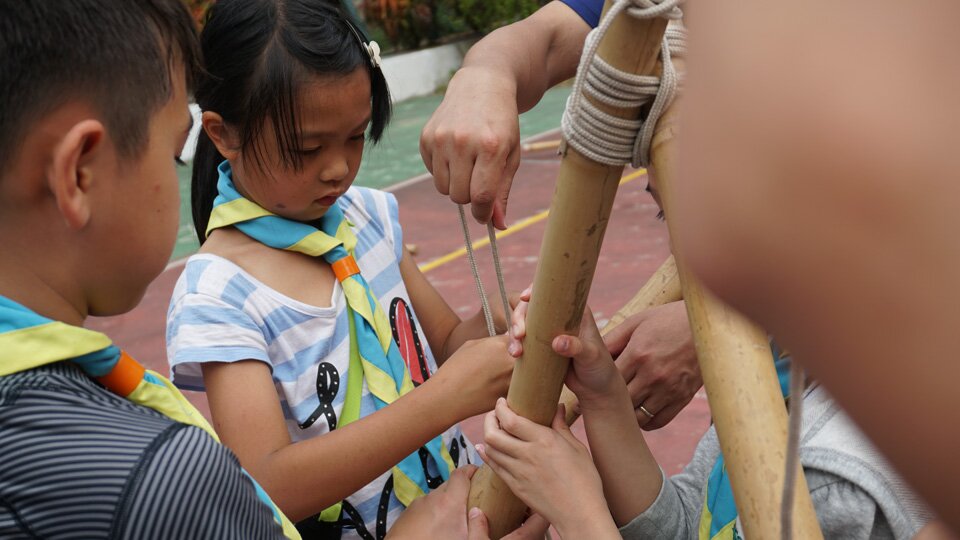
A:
(220, 313)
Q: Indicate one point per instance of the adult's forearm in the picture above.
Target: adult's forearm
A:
(530, 56)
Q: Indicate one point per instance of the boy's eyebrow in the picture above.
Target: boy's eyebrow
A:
(318, 134)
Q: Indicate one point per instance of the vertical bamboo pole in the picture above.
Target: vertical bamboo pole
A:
(662, 288)
(741, 384)
(578, 219)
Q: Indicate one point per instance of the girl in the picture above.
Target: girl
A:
(302, 316)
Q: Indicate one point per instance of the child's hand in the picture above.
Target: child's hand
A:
(443, 511)
(593, 376)
(478, 373)
(549, 469)
(592, 371)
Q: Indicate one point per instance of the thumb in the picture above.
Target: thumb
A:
(477, 526)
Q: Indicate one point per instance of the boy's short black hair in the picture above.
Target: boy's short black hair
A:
(116, 55)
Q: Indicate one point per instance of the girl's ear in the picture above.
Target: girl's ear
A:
(223, 137)
(80, 158)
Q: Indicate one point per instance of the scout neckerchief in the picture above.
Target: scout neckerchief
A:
(29, 340)
(718, 521)
(372, 348)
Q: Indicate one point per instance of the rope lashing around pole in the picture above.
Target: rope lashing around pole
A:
(605, 138)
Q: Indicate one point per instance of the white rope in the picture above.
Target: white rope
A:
(605, 138)
(484, 304)
(797, 387)
(492, 236)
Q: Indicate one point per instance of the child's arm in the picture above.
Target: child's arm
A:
(444, 329)
(306, 477)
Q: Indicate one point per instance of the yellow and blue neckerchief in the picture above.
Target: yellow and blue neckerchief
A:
(29, 340)
(371, 340)
(718, 520)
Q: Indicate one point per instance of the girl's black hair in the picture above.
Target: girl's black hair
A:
(256, 53)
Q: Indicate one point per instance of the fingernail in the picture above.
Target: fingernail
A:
(475, 512)
(478, 447)
(501, 400)
(563, 344)
(512, 349)
(515, 329)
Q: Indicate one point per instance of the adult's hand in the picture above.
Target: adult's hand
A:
(654, 352)
(471, 144)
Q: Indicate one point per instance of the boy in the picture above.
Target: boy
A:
(93, 113)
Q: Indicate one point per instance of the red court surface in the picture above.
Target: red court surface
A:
(636, 244)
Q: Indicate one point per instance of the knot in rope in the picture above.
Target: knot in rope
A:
(606, 138)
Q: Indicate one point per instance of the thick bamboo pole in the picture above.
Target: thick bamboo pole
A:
(741, 384)
(578, 219)
(663, 287)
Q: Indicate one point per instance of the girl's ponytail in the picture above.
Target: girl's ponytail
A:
(203, 187)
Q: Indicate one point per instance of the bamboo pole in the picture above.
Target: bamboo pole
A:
(741, 384)
(568, 257)
(663, 287)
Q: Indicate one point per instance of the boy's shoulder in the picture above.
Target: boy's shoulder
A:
(103, 465)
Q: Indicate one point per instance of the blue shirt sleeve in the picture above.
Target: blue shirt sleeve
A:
(588, 10)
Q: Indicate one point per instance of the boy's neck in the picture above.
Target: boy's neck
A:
(20, 283)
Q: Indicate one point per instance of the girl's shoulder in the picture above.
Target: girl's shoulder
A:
(374, 215)
(207, 274)
(362, 205)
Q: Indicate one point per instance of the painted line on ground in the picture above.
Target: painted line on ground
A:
(516, 227)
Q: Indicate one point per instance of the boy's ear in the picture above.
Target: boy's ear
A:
(72, 170)
(222, 136)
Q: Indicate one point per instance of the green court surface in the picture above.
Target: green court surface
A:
(397, 157)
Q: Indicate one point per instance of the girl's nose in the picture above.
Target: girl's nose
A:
(336, 169)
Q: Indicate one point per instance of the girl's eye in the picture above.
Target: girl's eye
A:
(358, 137)
(308, 151)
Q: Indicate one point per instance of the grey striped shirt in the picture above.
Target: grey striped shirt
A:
(77, 461)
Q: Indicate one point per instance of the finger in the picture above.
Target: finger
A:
(518, 320)
(521, 428)
(495, 437)
(527, 293)
(441, 173)
(459, 483)
(639, 391)
(534, 528)
(461, 167)
(503, 194)
(487, 174)
(477, 526)
(426, 146)
(569, 346)
(501, 463)
(665, 415)
(617, 339)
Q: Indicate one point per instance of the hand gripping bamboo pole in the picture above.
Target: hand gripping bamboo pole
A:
(578, 219)
(741, 384)
(662, 288)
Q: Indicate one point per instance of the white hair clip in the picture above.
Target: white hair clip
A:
(373, 50)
